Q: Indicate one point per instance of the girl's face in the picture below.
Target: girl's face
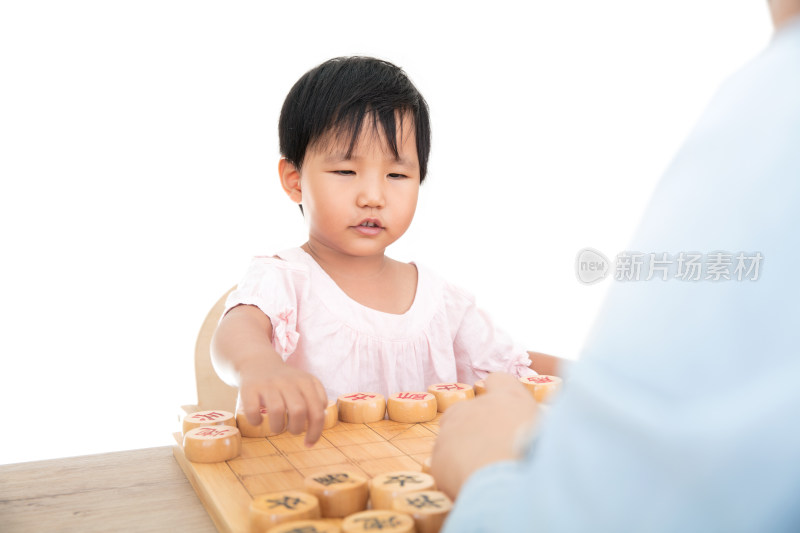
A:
(359, 206)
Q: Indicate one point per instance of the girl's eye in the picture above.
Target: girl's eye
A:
(344, 172)
(397, 176)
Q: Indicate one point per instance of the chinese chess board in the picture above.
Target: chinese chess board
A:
(282, 462)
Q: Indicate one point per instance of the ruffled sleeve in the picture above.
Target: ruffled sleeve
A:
(479, 346)
(274, 286)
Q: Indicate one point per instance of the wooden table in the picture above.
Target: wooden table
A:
(139, 490)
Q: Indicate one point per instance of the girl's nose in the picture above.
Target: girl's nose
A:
(371, 192)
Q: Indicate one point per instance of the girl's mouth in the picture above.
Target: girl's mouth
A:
(369, 226)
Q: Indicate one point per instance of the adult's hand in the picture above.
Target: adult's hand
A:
(485, 430)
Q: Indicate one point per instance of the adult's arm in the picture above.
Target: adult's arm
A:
(681, 413)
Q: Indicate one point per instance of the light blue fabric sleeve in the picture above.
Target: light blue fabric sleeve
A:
(684, 411)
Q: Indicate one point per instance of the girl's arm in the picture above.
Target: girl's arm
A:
(545, 364)
(243, 355)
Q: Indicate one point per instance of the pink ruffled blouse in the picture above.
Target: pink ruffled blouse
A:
(443, 337)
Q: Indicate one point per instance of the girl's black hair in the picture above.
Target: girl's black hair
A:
(337, 95)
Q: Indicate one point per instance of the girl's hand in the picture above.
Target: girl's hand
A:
(283, 390)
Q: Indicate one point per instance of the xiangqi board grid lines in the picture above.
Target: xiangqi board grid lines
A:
(282, 462)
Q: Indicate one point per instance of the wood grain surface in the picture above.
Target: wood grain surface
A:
(138, 490)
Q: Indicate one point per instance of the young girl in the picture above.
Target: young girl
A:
(336, 315)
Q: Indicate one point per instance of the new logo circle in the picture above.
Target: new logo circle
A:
(591, 266)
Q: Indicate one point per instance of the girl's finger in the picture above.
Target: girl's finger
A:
(276, 409)
(251, 404)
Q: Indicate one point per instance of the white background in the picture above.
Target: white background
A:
(138, 157)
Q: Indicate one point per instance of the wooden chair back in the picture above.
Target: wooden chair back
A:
(212, 392)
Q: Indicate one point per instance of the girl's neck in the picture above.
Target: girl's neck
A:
(340, 266)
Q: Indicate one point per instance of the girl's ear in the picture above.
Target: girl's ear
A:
(290, 180)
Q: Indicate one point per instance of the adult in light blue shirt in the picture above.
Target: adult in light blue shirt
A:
(684, 411)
